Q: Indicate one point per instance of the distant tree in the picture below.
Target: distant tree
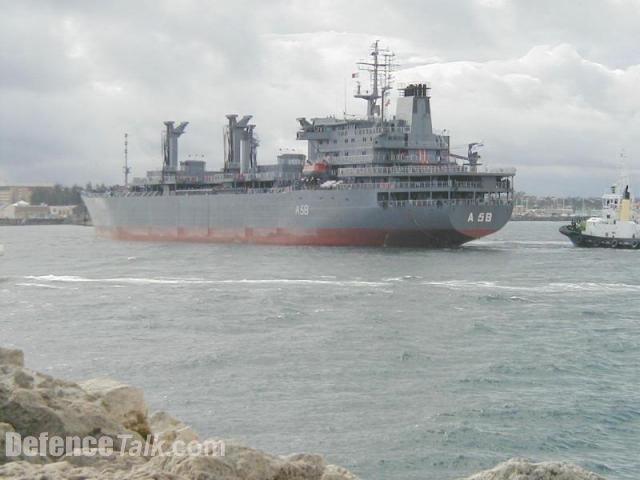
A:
(56, 195)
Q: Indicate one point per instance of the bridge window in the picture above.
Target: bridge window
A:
(400, 195)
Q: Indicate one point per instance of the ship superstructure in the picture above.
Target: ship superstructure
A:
(375, 180)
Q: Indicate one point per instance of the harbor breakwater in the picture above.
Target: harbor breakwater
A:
(101, 428)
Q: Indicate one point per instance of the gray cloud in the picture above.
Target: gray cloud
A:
(551, 87)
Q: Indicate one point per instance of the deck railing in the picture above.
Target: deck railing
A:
(422, 170)
(451, 185)
(442, 203)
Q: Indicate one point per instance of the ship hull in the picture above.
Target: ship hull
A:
(306, 217)
(322, 237)
(590, 241)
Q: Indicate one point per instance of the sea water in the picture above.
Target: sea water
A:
(398, 364)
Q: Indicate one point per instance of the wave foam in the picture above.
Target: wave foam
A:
(40, 285)
(200, 281)
(553, 287)
(537, 243)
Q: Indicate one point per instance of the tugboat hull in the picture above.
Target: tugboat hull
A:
(579, 239)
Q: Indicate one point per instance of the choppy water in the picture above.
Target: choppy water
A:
(399, 364)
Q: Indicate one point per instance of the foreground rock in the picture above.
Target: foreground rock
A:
(11, 357)
(32, 403)
(122, 402)
(519, 469)
(168, 429)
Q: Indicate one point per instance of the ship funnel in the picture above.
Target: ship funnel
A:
(625, 206)
(414, 107)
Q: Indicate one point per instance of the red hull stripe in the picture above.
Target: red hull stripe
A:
(280, 236)
(477, 232)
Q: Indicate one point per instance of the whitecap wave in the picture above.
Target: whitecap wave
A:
(553, 287)
(596, 286)
(403, 278)
(201, 281)
(542, 243)
(41, 285)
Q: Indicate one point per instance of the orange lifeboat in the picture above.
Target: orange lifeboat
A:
(316, 169)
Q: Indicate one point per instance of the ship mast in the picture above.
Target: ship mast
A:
(380, 69)
(126, 168)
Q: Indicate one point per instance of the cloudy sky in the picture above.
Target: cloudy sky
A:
(551, 87)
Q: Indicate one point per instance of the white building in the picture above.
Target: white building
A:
(62, 211)
(21, 210)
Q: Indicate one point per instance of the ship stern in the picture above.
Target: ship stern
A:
(476, 221)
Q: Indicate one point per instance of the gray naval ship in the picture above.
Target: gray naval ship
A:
(380, 180)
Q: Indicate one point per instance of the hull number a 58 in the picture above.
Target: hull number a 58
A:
(482, 217)
(302, 209)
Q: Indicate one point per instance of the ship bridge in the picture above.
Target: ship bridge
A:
(406, 138)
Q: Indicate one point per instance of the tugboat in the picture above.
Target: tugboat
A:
(615, 228)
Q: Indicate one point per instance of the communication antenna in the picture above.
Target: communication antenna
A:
(345, 99)
(126, 168)
(380, 69)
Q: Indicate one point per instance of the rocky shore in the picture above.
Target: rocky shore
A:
(39, 407)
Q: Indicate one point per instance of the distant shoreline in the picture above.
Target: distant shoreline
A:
(17, 222)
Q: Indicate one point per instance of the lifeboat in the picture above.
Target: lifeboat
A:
(319, 168)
